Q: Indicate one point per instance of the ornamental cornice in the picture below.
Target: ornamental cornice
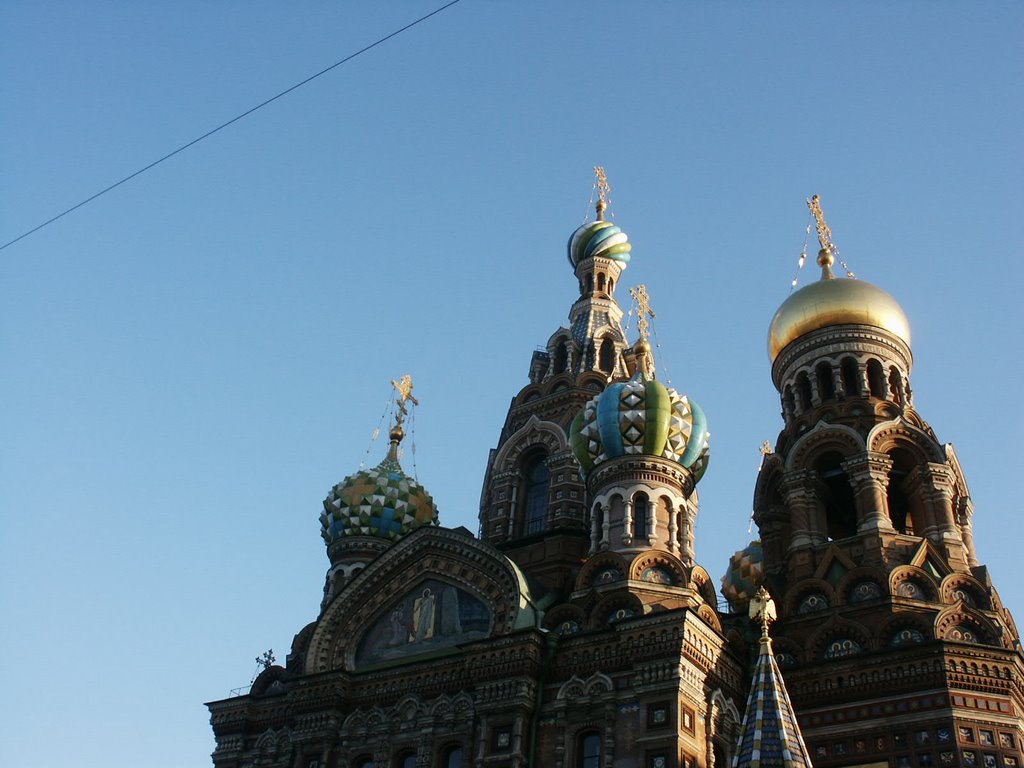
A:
(834, 341)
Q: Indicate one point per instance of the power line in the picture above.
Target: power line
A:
(222, 126)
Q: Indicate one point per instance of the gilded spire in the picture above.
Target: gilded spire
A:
(604, 190)
(826, 256)
(769, 736)
(404, 388)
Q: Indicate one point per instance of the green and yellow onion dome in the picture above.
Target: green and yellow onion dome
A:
(745, 575)
(835, 301)
(599, 238)
(382, 502)
(640, 417)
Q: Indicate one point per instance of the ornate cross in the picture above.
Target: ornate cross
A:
(766, 448)
(604, 190)
(824, 233)
(643, 309)
(267, 659)
(404, 388)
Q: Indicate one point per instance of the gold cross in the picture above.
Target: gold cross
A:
(643, 309)
(404, 387)
(766, 448)
(604, 191)
(824, 233)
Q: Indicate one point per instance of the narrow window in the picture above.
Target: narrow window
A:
(640, 507)
(837, 497)
(600, 281)
(608, 355)
(535, 501)
(900, 514)
(406, 760)
(589, 750)
(611, 285)
(452, 758)
(826, 387)
(789, 402)
(590, 282)
(896, 385)
(561, 357)
(876, 379)
(851, 383)
(803, 386)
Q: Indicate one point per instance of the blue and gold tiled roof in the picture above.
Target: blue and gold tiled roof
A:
(745, 575)
(770, 736)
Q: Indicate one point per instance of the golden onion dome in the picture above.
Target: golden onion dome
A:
(831, 301)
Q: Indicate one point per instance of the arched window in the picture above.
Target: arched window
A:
(899, 504)
(803, 387)
(406, 759)
(611, 285)
(535, 497)
(640, 507)
(837, 497)
(363, 762)
(561, 357)
(788, 401)
(896, 385)
(876, 379)
(600, 281)
(826, 387)
(607, 355)
(452, 757)
(851, 379)
(589, 750)
(590, 282)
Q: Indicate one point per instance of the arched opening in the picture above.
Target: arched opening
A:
(788, 402)
(876, 379)
(836, 497)
(363, 762)
(597, 521)
(611, 285)
(803, 388)
(896, 386)
(590, 282)
(536, 482)
(900, 505)
(452, 757)
(600, 281)
(561, 357)
(588, 750)
(851, 379)
(607, 356)
(826, 387)
(641, 508)
(406, 759)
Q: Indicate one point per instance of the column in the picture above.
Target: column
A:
(869, 474)
(627, 522)
(798, 489)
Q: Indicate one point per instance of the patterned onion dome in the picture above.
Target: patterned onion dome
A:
(641, 417)
(599, 238)
(745, 575)
(383, 502)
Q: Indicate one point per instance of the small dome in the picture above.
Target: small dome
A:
(842, 301)
(640, 417)
(383, 502)
(745, 575)
(599, 238)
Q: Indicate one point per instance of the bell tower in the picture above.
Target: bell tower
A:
(533, 501)
(866, 528)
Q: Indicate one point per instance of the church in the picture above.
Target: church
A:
(578, 628)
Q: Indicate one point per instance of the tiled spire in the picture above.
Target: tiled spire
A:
(770, 736)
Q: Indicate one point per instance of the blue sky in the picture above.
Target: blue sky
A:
(190, 362)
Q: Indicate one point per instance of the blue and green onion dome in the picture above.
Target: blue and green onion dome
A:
(641, 417)
(745, 575)
(599, 238)
(382, 502)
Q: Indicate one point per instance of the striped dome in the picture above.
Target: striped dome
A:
(640, 417)
(599, 238)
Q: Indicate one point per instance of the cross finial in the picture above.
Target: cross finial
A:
(404, 388)
(643, 309)
(827, 254)
(266, 659)
(604, 191)
(762, 608)
(766, 448)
